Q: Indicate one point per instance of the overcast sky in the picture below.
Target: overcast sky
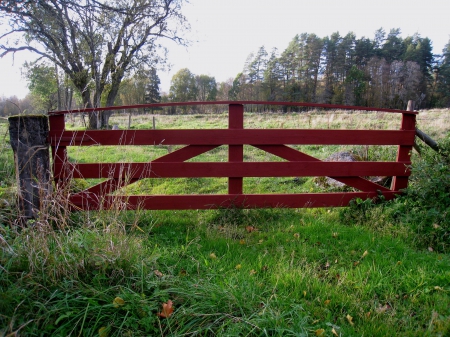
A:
(225, 32)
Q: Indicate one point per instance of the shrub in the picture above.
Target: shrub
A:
(428, 198)
(424, 209)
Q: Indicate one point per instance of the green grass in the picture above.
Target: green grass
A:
(294, 273)
(272, 272)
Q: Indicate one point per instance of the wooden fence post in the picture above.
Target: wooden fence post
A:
(29, 140)
(129, 120)
(428, 140)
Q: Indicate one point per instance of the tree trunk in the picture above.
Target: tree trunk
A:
(86, 96)
(59, 105)
(112, 94)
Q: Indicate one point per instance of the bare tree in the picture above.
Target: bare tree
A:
(95, 42)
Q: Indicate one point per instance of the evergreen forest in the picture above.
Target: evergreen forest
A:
(385, 71)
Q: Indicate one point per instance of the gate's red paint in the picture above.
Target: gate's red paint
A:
(200, 141)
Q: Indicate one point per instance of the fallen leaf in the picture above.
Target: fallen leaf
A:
(167, 310)
(350, 319)
(364, 254)
(383, 309)
(252, 272)
(320, 332)
(103, 331)
(250, 229)
(436, 226)
(158, 273)
(213, 256)
(304, 293)
(118, 302)
(261, 241)
(335, 234)
(399, 263)
(296, 235)
(242, 242)
(334, 332)
(326, 302)
(355, 263)
(238, 266)
(368, 314)
(183, 272)
(438, 288)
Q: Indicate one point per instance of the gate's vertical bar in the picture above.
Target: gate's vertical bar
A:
(235, 152)
(59, 152)
(404, 151)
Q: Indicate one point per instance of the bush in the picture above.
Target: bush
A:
(428, 198)
(424, 210)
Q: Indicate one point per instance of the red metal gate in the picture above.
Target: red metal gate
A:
(273, 141)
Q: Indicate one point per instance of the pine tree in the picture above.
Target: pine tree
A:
(443, 78)
(152, 91)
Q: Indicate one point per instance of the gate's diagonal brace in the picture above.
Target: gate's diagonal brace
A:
(185, 153)
(111, 185)
(291, 154)
(104, 188)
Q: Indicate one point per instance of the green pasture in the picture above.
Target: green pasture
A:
(365, 270)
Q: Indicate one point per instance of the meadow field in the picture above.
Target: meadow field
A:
(364, 270)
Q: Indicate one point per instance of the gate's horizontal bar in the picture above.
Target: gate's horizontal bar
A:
(235, 169)
(231, 137)
(270, 103)
(214, 201)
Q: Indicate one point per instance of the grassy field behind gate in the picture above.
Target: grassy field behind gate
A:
(327, 120)
(359, 271)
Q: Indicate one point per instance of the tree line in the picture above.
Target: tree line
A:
(385, 71)
(96, 53)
